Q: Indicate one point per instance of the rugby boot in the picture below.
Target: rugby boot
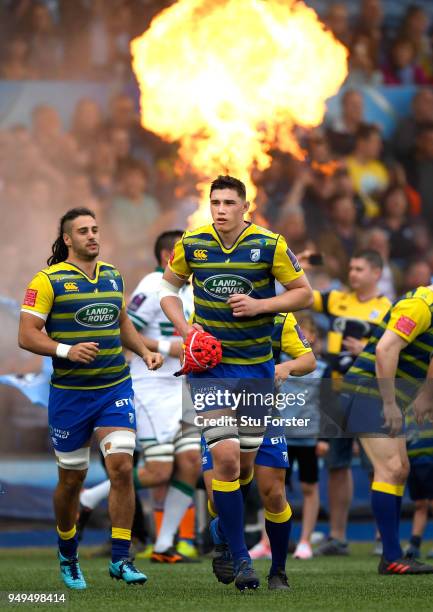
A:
(126, 571)
(71, 573)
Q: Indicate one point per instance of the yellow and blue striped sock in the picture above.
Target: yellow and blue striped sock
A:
(120, 542)
(68, 542)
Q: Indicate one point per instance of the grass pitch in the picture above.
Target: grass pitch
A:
(337, 584)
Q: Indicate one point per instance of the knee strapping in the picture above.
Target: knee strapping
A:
(120, 441)
(73, 460)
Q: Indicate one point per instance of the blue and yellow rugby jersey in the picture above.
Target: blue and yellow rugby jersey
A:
(419, 440)
(410, 318)
(249, 266)
(77, 309)
(348, 316)
(287, 337)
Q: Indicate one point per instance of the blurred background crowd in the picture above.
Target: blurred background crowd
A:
(358, 186)
(365, 182)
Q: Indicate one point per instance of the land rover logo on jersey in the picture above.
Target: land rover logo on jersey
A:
(255, 254)
(222, 286)
(97, 315)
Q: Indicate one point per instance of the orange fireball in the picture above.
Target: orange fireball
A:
(228, 79)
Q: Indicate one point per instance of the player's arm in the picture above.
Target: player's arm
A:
(289, 273)
(36, 306)
(132, 341)
(294, 344)
(141, 310)
(423, 403)
(409, 318)
(175, 276)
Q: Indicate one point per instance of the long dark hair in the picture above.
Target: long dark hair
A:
(59, 249)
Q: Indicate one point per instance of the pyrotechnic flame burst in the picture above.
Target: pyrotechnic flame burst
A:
(229, 79)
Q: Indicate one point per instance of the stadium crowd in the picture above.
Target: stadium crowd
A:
(355, 190)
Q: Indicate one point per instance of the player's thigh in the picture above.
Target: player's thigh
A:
(70, 419)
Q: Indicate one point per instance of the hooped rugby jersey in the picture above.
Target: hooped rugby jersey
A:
(77, 309)
(288, 338)
(348, 316)
(149, 319)
(250, 266)
(410, 318)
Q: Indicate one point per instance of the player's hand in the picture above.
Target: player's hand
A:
(190, 328)
(243, 305)
(393, 418)
(322, 448)
(282, 371)
(84, 352)
(153, 360)
(353, 345)
(423, 408)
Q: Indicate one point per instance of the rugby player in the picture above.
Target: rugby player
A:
(170, 456)
(80, 303)
(234, 265)
(270, 467)
(398, 354)
(352, 316)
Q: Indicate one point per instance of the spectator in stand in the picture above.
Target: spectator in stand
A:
(363, 71)
(401, 67)
(132, 213)
(419, 170)
(370, 176)
(418, 274)
(121, 28)
(343, 237)
(414, 28)
(369, 23)
(389, 283)
(44, 43)
(59, 148)
(294, 230)
(145, 146)
(120, 141)
(336, 19)
(394, 220)
(409, 127)
(16, 64)
(87, 123)
(103, 169)
(342, 130)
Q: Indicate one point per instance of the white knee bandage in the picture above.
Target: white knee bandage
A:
(120, 441)
(158, 452)
(74, 460)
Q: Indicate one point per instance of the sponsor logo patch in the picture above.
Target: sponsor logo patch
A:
(114, 284)
(255, 254)
(71, 287)
(200, 254)
(30, 297)
(222, 286)
(301, 336)
(405, 325)
(97, 315)
(136, 302)
(295, 263)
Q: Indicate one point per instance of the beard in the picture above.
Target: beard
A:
(84, 253)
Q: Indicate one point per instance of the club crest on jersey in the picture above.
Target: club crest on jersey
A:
(200, 254)
(114, 284)
(222, 286)
(71, 286)
(103, 314)
(255, 254)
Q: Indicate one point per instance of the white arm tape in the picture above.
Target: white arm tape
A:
(62, 350)
(164, 347)
(168, 290)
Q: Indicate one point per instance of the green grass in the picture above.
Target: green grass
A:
(337, 584)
